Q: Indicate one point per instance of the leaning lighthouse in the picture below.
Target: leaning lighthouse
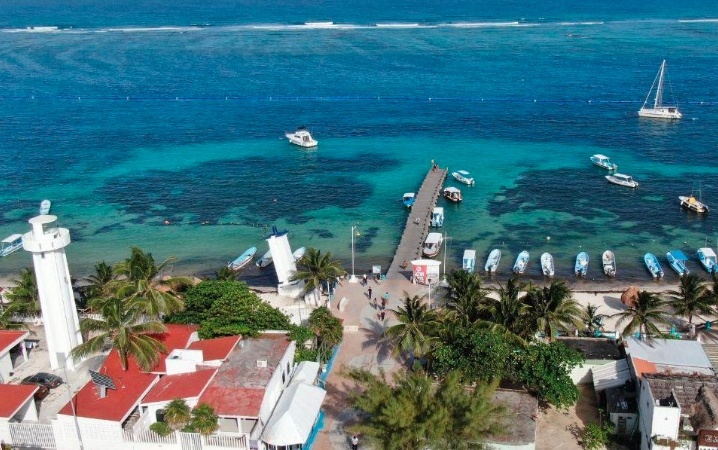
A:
(47, 244)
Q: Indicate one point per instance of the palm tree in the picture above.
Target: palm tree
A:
(6, 316)
(121, 325)
(691, 298)
(508, 314)
(465, 297)
(141, 279)
(647, 311)
(553, 308)
(101, 282)
(25, 292)
(177, 413)
(225, 274)
(204, 419)
(316, 269)
(591, 319)
(416, 325)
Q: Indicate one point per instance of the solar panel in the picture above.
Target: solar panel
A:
(102, 380)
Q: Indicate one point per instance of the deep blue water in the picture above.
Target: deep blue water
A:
(128, 115)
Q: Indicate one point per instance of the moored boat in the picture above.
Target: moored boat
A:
(299, 253)
(492, 262)
(653, 265)
(708, 259)
(692, 203)
(581, 266)
(463, 176)
(432, 244)
(45, 207)
(658, 110)
(468, 262)
(243, 259)
(10, 244)
(609, 263)
(676, 259)
(408, 199)
(547, 264)
(622, 180)
(452, 194)
(437, 217)
(265, 260)
(603, 161)
(302, 138)
(521, 261)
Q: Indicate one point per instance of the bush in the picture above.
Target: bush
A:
(161, 428)
(596, 437)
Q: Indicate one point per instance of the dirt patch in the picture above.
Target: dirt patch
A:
(560, 429)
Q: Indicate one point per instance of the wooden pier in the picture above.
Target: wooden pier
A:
(415, 232)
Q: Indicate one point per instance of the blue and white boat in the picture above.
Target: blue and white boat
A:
(676, 259)
(299, 253)
(265, 260)
(469, 261)
(609, 263)
(243, 259)
(463, 176)
(10, 244)
(492, 262)
(437, 217)
(409, 199)
(707, 257)
(45, 207)
(653, 265)
(521, 261)
(581, 266)
(547, 264)
(603, 161)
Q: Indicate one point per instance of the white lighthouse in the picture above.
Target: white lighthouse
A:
(47, 244)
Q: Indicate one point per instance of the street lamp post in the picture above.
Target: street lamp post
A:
(353, 278)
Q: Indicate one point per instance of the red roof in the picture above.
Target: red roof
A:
(233, 401)
(182, 385)
(10, 338)
(14, 396)
(217, 348)
(132, 384)
(642, 366)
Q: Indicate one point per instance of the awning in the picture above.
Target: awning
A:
(294, 416)
(613, 374)
(679, 255)
(306, 372)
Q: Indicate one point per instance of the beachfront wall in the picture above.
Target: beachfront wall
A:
(655, 420)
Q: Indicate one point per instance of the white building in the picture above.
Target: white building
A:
(12, 352)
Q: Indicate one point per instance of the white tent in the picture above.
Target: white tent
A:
(306, 372)
(294, 416)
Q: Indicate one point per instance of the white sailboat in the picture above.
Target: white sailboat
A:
(658, 110)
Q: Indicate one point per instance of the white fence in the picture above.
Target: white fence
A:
(34, 435)
(190, 441)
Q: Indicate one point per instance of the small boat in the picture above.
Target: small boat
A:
(521, 261)
(581, 266)
(469, 261)
(676, 259)
(658, 110)
(10, 244)
(547, 264)
(708, 259)
(265, 260)
(452, 194)
(653, 265)
(299, 253)
(302, 138)
(622, 180)
(609, 263)
(462, 176)
(408, 199)
(437, 217)
(492, 262)
(45, 207)
(603, 161)
(693, 204)
(432, 244)
(243, 259)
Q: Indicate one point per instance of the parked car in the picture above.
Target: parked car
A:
(41, 392)
(46, 379)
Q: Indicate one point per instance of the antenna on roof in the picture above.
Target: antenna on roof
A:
(102, 382)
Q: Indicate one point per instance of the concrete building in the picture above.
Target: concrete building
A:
(12, 352)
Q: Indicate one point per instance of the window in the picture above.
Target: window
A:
(289, 368)
(160, 415)
(283, 378)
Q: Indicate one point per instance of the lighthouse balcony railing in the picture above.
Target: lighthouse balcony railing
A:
(60, 238)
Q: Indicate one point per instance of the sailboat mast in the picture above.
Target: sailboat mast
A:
(659, 90)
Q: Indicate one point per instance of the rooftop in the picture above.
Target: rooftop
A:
(184, 385)
(217, 348)
(685, 387)
(672, 355)
(13, 397)
(594, 348)
(520, 421)
(10, 338)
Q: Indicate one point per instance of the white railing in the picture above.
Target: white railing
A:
(148, 436)
(212, 442)
(221, 441)
(34, 435)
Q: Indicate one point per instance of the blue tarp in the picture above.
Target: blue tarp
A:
(679, 255)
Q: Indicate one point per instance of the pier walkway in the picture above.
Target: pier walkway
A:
(415, 233)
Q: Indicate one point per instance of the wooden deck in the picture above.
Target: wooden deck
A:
(415, 233)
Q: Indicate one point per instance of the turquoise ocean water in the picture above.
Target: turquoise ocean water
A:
(130, 115)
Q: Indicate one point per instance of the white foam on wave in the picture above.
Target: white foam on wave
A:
(483, 24)
(150, 29)
(580, 23)
(698, 20)
(399, 25)
(32, 30)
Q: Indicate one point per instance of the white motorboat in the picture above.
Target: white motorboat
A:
(302, 138)
(432, 244)
(299, 253)
(547, 264)
(492, 262)
(45, 207)
(243, 259)
(463, 176)
(708, 259)
(437, 217)
(622, 180)
(653, 265)
(658, 110)
(581, 266)
(469, 261)
(676, 259)
(521, 261)
(408, 199)
(609, 263)
(10, 244)
(452, 194)
(603, 161)
(265, 260)
(693, 204)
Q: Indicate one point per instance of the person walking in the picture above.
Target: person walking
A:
(355, 442)
(386, 296)
(381, 315)
(369, 290)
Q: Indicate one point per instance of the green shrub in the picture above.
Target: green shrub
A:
(161, 428)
